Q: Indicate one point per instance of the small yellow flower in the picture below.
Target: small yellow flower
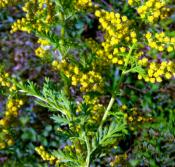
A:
(168, 75)
(114, 60)
(170, 49)
(159, 79)
(130, 118)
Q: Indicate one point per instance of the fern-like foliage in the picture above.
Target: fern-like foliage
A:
(68, 159)
(48, 97)
(51, 37)
(107, 136)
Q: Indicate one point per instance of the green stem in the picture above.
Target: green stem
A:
(62, 32)
(88, 152)
(111, 102)
(107, 111)
(63, 26)
(128, 56)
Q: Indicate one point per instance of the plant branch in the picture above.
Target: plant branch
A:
(88, 152)
(107, 111)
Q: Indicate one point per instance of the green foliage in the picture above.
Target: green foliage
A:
(48, 97)
(56, 101)
(155, 146)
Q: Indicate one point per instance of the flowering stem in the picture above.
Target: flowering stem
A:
(107, 110)
(111, 102)
(117, 88)
(89, 151)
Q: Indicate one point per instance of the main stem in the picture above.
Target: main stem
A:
(107, 110)
(88, 152)
(111, 102)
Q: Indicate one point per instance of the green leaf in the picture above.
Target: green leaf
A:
(60, 120)
(48, 97)
(138, 69)
(110, 134)
(65, 157)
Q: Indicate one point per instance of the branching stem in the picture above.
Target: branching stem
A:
(117, 88)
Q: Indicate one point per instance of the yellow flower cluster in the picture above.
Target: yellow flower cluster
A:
(4, 82)
(135, 118)
(117, 36)
(38, 15)
(79, 4)
(43, 42)
(6, 139)
(160, 42)
(5, 3)
(46, 156)
(150, 10)
(156, 71)
(90, 81)
(75, 147)
(96, 109)
(12, 108)
(43, 50)
(22, 25)
(98, 64)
